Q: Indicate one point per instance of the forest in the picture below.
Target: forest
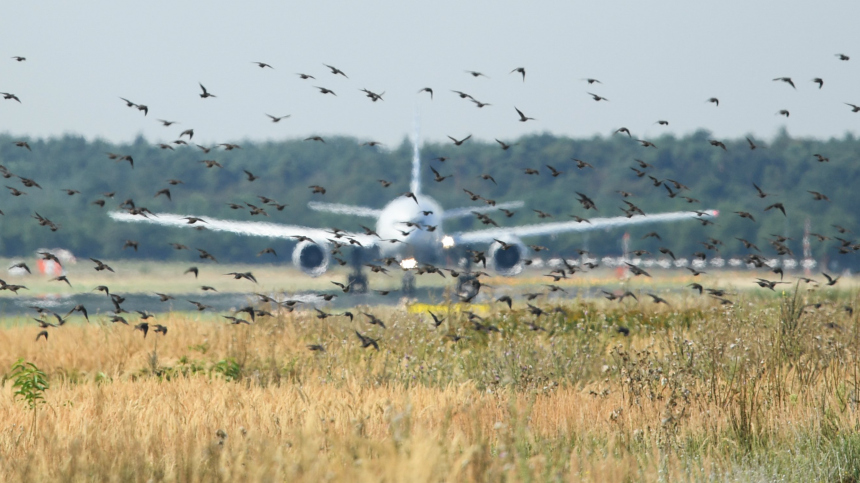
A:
(718, 177)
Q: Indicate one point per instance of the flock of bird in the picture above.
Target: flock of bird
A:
(468, 290)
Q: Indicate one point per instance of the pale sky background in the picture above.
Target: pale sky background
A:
(656, 59)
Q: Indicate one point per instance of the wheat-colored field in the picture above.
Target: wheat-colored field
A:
(758, 391)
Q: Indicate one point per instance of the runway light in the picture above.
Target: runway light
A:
(447, 241)
(408, 263)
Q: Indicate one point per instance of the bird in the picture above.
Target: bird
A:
(19, 59)
(118, 319)
(581, 164)
(752, 144)
(262, 65)
(842, 57)
(767, 283)
(715, 101)
(521, 70)
(818, 196)
(830, 280)
(324, 90)
(744, 214)
(429, 90)
(778, 206)
(487, 177)
(200, 307)
(854, 108)
(438, 178)
(243, 275)
(205, 93)
(658, 300)
(277, 119)
(636, 270)
(374, 320)
(787, 80)
(367, 341)
(437, 321)
(523, 117)
(475, 73)
(21, 265)
(410, 194)
(336, 71)
(718, 144)
(61, 278)
(9, 96)
(101, 266)
(695, 273)
(597, 97)
(461, 141)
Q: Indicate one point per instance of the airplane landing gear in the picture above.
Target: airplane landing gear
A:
(408, 287)
(357, 280)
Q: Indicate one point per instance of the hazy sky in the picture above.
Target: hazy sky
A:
(657, 60)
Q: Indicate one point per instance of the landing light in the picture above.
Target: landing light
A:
(447, 241)
(408, 263)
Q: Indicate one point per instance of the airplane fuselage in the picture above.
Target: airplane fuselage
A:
(392, 224)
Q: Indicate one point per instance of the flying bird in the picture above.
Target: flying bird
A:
(523, 117)
(460, 142)
(335, 70)
(205, 93)
(787, 80)
(8, 96)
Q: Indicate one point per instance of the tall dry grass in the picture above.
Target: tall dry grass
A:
(758, 391)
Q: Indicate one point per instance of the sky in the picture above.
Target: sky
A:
(656, 60)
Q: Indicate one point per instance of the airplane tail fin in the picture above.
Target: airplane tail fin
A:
(415, 184)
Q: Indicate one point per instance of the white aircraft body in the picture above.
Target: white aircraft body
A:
(396, 238)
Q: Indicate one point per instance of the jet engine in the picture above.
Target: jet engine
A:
(311, 258)
(507, 260)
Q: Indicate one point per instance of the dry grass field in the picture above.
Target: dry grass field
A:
(763, 390)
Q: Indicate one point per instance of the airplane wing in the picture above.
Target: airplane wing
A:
(252, 228)
(468, 211)
(341, 209)
(524, 231)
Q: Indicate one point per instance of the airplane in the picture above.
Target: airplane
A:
(403, 229)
